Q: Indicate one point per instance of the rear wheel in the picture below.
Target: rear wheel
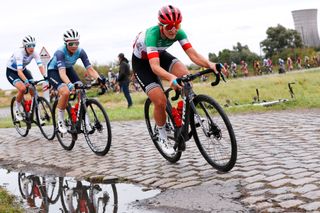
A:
(45, 118)
(96, 128)
(66, 140)
(21, 126)
(154, 134)
(213, 133)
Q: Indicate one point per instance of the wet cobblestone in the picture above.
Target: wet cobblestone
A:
(278, 159)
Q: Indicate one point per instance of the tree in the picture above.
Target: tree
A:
(280, 38)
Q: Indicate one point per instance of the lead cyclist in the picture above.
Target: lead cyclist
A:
(150, 60)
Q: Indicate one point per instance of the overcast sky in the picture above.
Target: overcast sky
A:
(110, 27)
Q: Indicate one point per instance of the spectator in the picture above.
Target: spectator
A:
(256, 66)
(298, 63)
(281, 66)
(124, 77)
(226, 70)
(233, 69)
(289, 64)
(244, 68)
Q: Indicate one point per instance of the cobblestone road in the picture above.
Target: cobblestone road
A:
(278, 163)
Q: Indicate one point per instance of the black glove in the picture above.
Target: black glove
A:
(102, 79)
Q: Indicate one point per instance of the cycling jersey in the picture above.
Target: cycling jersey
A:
(149, 44)
(20, 59)
(63, 59)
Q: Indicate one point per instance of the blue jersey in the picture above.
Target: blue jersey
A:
(63, 59)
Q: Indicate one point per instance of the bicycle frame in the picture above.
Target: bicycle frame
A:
(182, 133)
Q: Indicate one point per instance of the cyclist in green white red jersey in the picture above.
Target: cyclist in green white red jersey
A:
(17, 73)
(151, 61)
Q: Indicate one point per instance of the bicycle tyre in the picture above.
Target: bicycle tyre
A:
(53, 191)
(152, 129)
(22, 127)
(219, 131)
(99, 139)
(44, 105)
(68, 139)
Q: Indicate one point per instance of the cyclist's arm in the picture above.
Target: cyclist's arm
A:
(63, 75)
(159, 71)
(39, 63)
(92, 72)
(199, 59)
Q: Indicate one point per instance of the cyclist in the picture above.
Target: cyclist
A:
(17, 73)
(150, 60)
(62, 76)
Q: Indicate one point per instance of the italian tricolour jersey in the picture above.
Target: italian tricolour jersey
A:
(148, 44)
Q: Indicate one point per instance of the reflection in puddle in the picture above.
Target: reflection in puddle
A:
(65, 194)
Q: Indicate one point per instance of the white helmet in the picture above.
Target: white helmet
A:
(70, 35)
(28, 40)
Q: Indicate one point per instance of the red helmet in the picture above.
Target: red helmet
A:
(169, 15)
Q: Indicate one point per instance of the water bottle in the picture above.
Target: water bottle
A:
(27, 105)
(180, 107)
(176, 117)
(74, 111)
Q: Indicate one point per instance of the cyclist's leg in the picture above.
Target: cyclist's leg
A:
(15, 80)
(179, 69)
(63, 92)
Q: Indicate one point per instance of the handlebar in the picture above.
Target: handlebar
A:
(78, 86)
(191, 77)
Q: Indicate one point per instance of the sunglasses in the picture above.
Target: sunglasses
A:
(73, 43)
(30, 45)
(171, 27)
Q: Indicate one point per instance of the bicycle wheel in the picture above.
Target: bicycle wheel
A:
(53, 186)
(25, 185)
(99, 135)
(153, 131)
(213, 133)
(45, 118)
(22, 126)
(68, 139)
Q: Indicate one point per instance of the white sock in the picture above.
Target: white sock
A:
(60, 114)
(162, 132)
(18, 106)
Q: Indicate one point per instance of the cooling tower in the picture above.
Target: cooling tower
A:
(305, 22)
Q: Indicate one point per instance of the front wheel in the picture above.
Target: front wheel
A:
(21, 124)
(97, 128)
(154, 133)
(66, 140)
(213, 133)
(45, 118)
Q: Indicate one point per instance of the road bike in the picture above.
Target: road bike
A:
(40, 192)
(88, 117)
(209, 125)
(77, 196)
(38, 106)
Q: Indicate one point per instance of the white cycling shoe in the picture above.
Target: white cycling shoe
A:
(18, 115)
(166, 146)
(62, 127)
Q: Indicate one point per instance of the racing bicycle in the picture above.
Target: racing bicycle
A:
(38, 106)
(201, 118)
(88, 117)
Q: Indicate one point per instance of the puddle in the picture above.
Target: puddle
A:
(65, 194)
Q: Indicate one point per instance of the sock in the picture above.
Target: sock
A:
(162, 132)
(18, 106)
(60, 114)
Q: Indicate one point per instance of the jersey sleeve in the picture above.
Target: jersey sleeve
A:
(152, 36)
(183, 40)
(61, 63)
(84, 59)
(37, 59)
(19, 60)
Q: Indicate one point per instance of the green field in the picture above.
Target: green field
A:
(238, 93)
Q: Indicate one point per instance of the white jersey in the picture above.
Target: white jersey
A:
(20, 59)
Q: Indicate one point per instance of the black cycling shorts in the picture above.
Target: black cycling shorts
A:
(13, 76)
(144, 74)
(56, 81)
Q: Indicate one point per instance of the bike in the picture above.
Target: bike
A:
(37, 105)
(209, 124)
(93, 198)
(39, 191)
(88, 117)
